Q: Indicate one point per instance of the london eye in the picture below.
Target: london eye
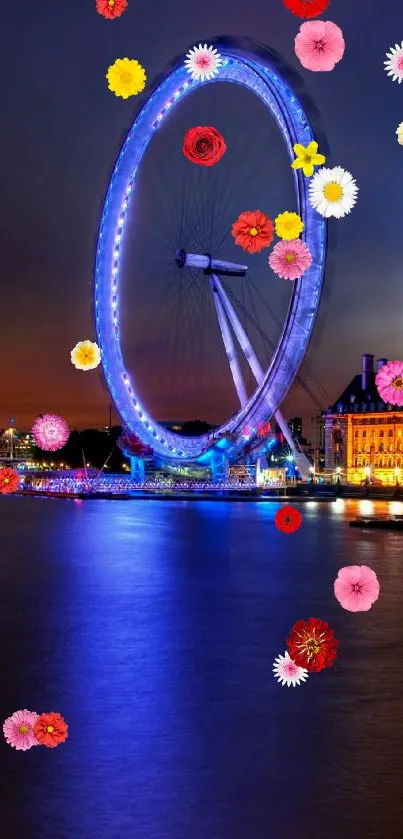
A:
(199, 264)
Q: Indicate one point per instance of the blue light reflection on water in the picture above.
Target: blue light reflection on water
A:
(153, 627)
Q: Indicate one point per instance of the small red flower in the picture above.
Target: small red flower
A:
(111, 9)
(306, 8)
(312, 644)
(9, 481)
(204, 145)
(50, 730)
(253, 231)
(288, 519)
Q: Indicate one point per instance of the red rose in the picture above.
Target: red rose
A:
(204, 145)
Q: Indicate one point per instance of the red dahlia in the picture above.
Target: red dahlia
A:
(9, 481)
(204, 145)
(111, 8)
(50, 730)
(288, 519)
(306, 8)
(312, 644)
(253, 231)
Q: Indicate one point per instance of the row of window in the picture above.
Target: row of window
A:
(379, 433)
(379, 463)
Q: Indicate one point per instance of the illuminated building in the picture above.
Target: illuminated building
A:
(363, 434)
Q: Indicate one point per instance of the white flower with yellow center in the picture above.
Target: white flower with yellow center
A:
(333, 192)
(399, 132)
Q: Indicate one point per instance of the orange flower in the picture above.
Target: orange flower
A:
(9, 480)
(50, 730)
(253, 231)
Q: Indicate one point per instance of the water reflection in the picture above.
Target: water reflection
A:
(153, 628)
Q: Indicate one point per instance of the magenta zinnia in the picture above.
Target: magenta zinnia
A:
(389, 382)
(289, 260)
(19, 730)
(51, 432)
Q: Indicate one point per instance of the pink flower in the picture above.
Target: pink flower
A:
(356, 588)
(290, 259)
(50, 432)
(389, 381)
(19, 730)
(319, 45)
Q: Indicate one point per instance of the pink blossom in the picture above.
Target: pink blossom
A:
(389, 381)
(356, 588)
(319, 45)
(50, 432)
(290, 259)
(19, 730)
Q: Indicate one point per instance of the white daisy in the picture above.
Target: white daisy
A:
(333, 192)
(399, 132)
(288, 673)
(394, 64)
(203, 62)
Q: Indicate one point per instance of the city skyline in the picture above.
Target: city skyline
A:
(60, 145)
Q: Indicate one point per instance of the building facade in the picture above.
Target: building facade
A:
(363, 434)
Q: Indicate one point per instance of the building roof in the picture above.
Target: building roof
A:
(356, 400)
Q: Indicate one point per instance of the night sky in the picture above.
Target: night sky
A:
(61, 129)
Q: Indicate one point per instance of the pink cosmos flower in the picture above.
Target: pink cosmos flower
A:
(19, 730)
(319, 45)
(356, 588)
(389, 381)
(290, 259)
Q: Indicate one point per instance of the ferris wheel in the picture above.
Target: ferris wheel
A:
(256, 70)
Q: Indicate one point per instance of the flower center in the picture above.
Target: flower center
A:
(400, 63)
(203, 61)
(253, 231)
(397, 383)
(290, 257)
(319, 45)
(126, 78)
(50, 729)
(357, 587)
(307, 159)
(23, 728)
(333, 192)
(311, 646)
(111, 2)
(6, 480)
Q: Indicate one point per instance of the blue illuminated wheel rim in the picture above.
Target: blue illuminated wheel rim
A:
(258, 73)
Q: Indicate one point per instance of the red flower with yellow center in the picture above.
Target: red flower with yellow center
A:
(50, 730)
(253, 231)
(312, 644)
(111, 9)
(9, 481)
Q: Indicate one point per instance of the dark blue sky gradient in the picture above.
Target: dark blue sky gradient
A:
(60, 132)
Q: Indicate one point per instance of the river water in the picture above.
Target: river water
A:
(152, 627)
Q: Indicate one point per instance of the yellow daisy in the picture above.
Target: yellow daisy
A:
(126, 77)
(86, 355)
(307, 158)
(289, 225)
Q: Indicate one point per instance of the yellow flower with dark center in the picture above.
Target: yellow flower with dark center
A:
(289, 225)
(307, 158)
(86, 355)
(126, 77)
